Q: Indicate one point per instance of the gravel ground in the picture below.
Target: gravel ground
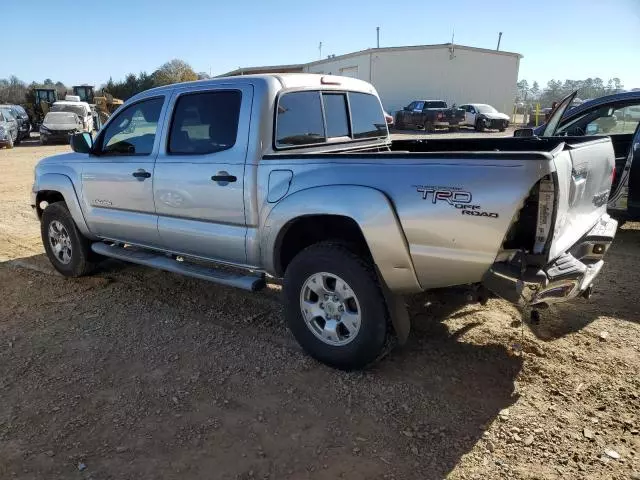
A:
(135, 374)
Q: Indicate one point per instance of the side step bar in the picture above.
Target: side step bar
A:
(162, 262)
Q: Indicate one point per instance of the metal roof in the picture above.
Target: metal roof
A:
(300, 66)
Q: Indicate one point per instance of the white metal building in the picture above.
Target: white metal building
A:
(455, 73)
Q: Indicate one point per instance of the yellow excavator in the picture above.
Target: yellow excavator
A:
(104, 105)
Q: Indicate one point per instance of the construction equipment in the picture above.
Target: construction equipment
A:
(40, 103)
(104, 105)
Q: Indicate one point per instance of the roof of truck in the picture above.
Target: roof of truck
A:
(285, 80)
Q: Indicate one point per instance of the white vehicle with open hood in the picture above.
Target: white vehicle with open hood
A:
(81, 109)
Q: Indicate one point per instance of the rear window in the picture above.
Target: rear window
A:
(366, 116)
(436, 104)
(205, 122)
(299, 119)
(311, 117)
(335, 113)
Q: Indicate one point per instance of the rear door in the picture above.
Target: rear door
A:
(199, 176)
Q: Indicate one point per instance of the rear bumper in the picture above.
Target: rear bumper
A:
(569, 276)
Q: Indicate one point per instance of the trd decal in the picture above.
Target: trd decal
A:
(454, 196)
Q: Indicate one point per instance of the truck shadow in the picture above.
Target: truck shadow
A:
(614, 296)
(414, 414)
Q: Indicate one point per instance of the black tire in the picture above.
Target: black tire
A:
(18, 139)
(502, 129)
(429, 128)
(479, 126)
(82, 258)
(371, 338)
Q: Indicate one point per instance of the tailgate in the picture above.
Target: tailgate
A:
(583, 178)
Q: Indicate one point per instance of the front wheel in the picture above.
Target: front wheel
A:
(480, 126)
(335, 307)
(68, 250)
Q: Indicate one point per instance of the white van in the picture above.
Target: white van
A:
(81, 109)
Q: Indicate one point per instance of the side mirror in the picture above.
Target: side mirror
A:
(81, 142)
(523, 132)
(406, 109)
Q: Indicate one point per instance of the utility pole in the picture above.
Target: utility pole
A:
(499, 38)
(320, 50)
(378, 37)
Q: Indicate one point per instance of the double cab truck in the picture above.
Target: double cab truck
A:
(429, 115)
(294, 178)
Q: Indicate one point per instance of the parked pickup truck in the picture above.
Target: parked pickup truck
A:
(294, 178)
(429, 114)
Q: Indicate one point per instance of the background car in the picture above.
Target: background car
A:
(59, 126)
(615, 116)
(8, 129)
(24, 126)
(481, 116)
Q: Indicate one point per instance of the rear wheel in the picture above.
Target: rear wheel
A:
(335, 307)
(68, 250)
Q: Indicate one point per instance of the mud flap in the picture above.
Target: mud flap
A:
(398, 312)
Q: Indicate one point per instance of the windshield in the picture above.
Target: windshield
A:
(7, 113)
(77, 109)
(486, 109)
(556, 116)
(61, 117)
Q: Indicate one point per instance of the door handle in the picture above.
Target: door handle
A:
(141, 174)
(224, 178)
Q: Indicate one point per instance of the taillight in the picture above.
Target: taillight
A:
(439, 115)
(613, 175)
(546, 201)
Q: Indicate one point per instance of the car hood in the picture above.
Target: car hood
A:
(496, 116)
(61, 125)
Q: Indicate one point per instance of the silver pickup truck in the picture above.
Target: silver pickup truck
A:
(241, 180)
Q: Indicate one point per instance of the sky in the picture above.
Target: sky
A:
(76, 42)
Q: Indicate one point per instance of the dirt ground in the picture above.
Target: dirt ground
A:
(139, 374)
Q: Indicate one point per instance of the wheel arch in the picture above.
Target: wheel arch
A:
(55, 187)
(359, 213)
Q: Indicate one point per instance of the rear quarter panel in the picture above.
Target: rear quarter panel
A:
(447, 246)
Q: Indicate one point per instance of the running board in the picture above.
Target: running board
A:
(162, 262)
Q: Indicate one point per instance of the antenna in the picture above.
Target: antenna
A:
(499, 38)
(378, 37)
(320, 51)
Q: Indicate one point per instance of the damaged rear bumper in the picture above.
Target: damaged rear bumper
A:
(569, 276)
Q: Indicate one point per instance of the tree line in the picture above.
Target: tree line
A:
(15, 91)
(556, 90)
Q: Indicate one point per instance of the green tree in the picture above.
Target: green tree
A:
(535, 89)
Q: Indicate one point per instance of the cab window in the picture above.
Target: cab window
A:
(133, 131)
(205, 122)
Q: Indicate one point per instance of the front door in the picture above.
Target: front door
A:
(199, 175)
(117, 181)
(470, 116)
